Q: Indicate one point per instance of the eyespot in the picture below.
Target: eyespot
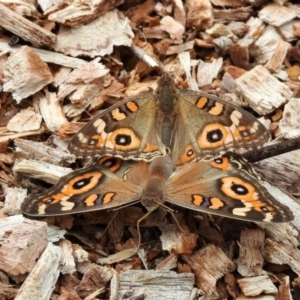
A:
(214, 136)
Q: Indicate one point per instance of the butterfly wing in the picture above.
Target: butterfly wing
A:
(225, 186)
(87, 189)
(124, 130)
(207, 125)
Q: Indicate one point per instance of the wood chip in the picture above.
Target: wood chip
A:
(208, 71)
(75, 14)
(199, 13)
(210, 269)
(276, 14)
(262, 91)
(41, 281)
(25, 120)
(23, 84)
(250, 259)
(289, 125)
(255, 286)
(276, 60)
(25, 29)
(112, 30)
(26, 243)
(41, 170)
(47, 56)
(154, 284)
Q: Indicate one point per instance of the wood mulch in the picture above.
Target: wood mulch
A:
(61, 62)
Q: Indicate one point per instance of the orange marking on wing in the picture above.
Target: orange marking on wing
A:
(203, 141)
(238, 133)
(257, 205)
(224, 165)
(115, 163)
(54, 198)
(216, 203)
(187, 156)
(108, 197)
(98, 142)
(132, 106)
(135, 142)
(229, 182)
(217, 109)
(150, 148)
(90, 200)
(201, 102)
(92, 178)
(118, 115)
(197, 200)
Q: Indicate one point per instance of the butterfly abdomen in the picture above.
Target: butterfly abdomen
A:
(152, 194)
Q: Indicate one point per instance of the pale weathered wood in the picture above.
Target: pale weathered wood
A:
(47, 56)
(67, 259)
(232, 14)
(288, 30)
(208, 71)
(25, 29)
(277, 15)
(23, 84)
(255, 25)
(281, 253)
(25, 120)
(266, 44)
(84, 87)
(176, 241)
(25, 244)
(209, 264)
(289, 125)
(282, 171)
(112, 30)
(169, 263)
(41, 281)
(199, 14)
(7, 136)
(255, 286)
(13, 198)
(276, 60)
(228, 3)
(76, 14)
(51, 111)
(43, 152)
(7, 225)
(263, 91)
(173, 28)
(41, 170)
(154, 284)
(54, 233)
(250, 260)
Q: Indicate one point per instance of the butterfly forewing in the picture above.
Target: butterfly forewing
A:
(208, 125)
(192, 124)
(125, 130)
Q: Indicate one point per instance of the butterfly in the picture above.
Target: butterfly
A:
(185, 124)
(226, 185)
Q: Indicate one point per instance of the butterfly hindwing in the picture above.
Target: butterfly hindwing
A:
(225, 186)
(88, 189)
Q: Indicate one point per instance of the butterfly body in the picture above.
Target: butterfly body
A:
(187, 124)
(225, 186)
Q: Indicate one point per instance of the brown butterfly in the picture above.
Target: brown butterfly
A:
(226, 186)
(186, 123)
